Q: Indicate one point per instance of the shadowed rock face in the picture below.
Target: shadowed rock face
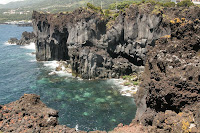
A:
(96, 51)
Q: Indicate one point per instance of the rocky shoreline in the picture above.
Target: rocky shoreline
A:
(128, 84)
(167, 50)
(29, 114)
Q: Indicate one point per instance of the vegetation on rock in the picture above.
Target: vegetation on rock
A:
(131, 80)
(185, 3)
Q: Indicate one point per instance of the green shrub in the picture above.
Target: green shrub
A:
(169, 4)
(94, 8)
(115, 15)
(135, 83)
(127, 83)
(107, 12)
(89, 5)
(120, 5)
(152, 2)
(157, 9)
(185, 3)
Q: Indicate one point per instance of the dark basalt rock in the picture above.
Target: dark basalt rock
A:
(94, 50)
(13, 41)
(93, 47)
(26, 39)
(171, 80)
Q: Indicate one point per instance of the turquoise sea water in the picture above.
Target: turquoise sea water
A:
(92, 105)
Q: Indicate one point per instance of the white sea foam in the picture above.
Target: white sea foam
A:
(63, 73)
(9, 44)
(79, 78)
(124, 90)
(30, 54)
(33, 60)
(52, 65)
(30, 46)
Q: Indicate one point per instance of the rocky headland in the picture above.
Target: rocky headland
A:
(26, 39)
(162, 43)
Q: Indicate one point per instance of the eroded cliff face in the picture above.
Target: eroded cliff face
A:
(96, 51)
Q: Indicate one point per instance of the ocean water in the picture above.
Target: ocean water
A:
(92, 105)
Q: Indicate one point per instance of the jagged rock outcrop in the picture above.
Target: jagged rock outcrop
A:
(28, 115)
(96, 51)
(169, 94)
(26, 39)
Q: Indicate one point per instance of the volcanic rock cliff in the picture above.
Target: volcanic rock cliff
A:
(98, 47)
(95, 49)
(165, 40)
(169, 95)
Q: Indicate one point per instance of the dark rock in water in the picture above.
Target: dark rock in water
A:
(171, 80)
(26, 39)
(13, 41)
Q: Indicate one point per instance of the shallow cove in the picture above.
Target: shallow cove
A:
(92, 105)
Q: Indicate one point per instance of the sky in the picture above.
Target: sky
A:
(7, 1)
